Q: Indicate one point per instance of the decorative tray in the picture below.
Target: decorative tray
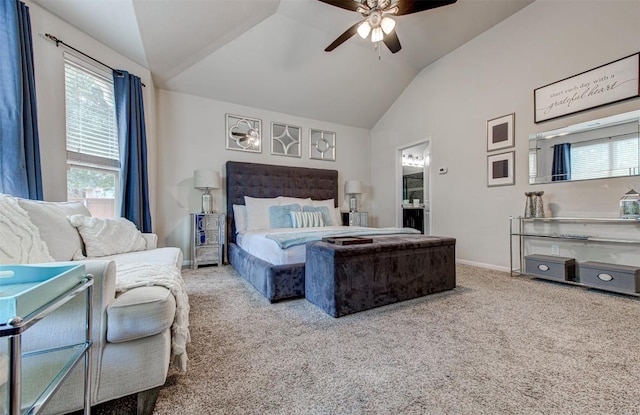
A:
(347, 240)
(26, 288)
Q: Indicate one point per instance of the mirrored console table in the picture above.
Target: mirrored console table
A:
(610, 245)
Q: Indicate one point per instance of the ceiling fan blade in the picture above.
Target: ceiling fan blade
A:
(392, 42)
(343, 37)
(414, 6)
(344, 4)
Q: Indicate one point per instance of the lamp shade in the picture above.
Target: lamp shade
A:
(206, 179)
(353, 186)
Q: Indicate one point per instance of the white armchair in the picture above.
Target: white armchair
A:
(132, 330)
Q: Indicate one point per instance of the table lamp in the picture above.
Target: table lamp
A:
(206, 180)
(353, 188)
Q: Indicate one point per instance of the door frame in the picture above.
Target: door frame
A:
(398, 180)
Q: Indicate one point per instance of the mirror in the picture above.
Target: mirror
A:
(603, 148)
(243, 133)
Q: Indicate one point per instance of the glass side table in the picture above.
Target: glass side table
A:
(28, 294)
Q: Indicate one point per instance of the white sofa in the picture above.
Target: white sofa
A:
(134, 332)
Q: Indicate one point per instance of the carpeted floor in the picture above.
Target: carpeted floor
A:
(493, 345)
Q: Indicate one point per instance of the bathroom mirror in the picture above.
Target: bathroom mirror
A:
(602, 148)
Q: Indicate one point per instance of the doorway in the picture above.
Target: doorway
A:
(413, 191)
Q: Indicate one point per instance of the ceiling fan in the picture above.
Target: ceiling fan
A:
(377, 20)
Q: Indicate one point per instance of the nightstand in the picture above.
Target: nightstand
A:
(207, 239)
(355, 219)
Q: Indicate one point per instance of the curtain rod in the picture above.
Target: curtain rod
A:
(58, 41)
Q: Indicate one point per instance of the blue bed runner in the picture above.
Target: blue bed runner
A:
(286, 240)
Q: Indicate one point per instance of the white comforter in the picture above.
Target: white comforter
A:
(257, 244)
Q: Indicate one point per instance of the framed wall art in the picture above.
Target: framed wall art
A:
(285, 139)
(500, 132)
(500, 169)
(244, 133)
(322, 145)
(606, 84)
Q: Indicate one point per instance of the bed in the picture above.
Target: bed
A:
(275, 259)
(274, 281)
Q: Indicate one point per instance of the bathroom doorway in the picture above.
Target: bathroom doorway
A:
(413, 195)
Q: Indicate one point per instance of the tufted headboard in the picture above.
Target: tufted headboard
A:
(266, 180)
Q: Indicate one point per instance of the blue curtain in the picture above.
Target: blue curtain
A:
(561, 167)
(132, 139)
(19, 141)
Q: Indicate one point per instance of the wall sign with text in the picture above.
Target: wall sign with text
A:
(606, 84)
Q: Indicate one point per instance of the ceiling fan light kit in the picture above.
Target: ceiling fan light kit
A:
(364, 29)
(376, 35)
(387, 24)
(377, 21)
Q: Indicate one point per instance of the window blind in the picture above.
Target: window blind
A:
(608, 157)
(92, 135)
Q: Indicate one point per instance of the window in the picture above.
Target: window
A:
(93, 161)
(608, 157)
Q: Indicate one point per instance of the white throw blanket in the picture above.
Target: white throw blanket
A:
(147, 274)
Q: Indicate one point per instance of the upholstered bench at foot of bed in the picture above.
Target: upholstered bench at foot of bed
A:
(345, 279)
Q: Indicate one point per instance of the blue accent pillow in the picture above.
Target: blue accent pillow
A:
(322, 209)
(279, 216)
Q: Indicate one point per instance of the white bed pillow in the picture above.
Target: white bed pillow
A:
(20, 241)
(104, 237)
(338, 214)
(286, 200)
(258, 211)
(333, 212)
(240, 217)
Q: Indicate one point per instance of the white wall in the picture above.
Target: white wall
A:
(184, 133)
(191, 132)
(493, 75)
(49, 74)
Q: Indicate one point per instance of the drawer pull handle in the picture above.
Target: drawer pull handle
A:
(543, 267)
(605, 277)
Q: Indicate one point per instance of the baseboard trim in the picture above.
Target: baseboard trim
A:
(482, 265)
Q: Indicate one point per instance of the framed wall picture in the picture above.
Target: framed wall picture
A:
(500, 132)
(500, 169)
(244, 133)
(322, 145)
(613, 82)
(285, 139)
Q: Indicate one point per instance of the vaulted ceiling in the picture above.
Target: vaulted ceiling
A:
(269, 54)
